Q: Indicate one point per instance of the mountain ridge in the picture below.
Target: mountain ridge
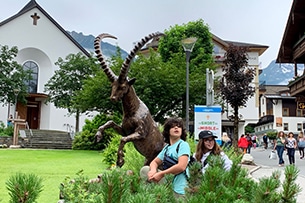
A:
(87, 41)
(279, 74)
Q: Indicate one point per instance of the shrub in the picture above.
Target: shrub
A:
(24, 188)
(216, 185)
(116, 185)
(272, 135)
(85, 140)
(109, 154)
(9, 131)
(78, 189)
(134, 161)
(6, 131)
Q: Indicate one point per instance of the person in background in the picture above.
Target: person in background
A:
(243, 143)
(291, 144)
(178, 149)
(265, 140)
(207, 146)
(226, 141)
(279, 144)
(248, 137)
(10, 121)
(301, 144)
(253, 139)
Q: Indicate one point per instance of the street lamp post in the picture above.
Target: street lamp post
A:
(16, 92)
(188, 45)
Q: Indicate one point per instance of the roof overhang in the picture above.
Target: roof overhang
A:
(294, 35)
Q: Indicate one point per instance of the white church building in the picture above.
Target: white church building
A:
(40, 41)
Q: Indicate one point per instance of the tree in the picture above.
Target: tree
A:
(68, 80)
(161, 81)
(200, 59)
(12, 76)
(236, 87)
(160, 85)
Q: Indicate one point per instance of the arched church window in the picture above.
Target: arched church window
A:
(32, 82)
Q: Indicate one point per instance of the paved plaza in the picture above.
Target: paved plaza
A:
(265, 166)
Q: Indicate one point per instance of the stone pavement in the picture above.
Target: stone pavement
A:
(257, 172)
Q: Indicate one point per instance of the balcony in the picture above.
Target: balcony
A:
(297, 86)
(265, 119)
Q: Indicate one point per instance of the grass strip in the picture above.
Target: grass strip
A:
(51, 165)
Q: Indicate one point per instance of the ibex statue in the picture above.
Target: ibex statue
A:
(138, 125)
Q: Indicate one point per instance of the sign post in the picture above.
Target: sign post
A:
(208, 118)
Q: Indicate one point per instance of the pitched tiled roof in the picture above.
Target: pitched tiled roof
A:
(259, 48)
(33, 4)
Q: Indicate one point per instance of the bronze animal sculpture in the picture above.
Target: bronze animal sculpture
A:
(137, 125)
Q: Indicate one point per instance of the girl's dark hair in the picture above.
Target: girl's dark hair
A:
(201, 149)
(172, 122)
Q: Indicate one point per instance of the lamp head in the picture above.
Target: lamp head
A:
(188, 43)
(16, 91)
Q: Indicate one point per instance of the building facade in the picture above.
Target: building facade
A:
(40, 41)
(248, 115)
(278, 111)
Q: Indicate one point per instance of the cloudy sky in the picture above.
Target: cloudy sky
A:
(251, 21)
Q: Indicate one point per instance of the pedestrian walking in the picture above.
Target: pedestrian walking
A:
(243, 143)
(279, 144)
(265, 140)
(291, 144)
(301, 144)
(248, 137)
(253, 139)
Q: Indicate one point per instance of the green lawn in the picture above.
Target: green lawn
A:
(51, 165)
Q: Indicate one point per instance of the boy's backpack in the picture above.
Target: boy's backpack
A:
(192, 159)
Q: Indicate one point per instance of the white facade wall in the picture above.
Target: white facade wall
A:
(263, 106)
(292, 126)
(43, 44)
(277, 109)
(249, 113)
(292, 122)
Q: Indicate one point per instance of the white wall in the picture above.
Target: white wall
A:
(249, 113)
(43, 44)
(277, 112)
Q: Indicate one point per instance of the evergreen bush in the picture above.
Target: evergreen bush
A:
(6, 131)
(216, 185)
(24, 188)
(85, 140)
(109, 154)
(133, 159)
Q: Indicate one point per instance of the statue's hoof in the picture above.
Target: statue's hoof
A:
(120, 163)
(98, 137)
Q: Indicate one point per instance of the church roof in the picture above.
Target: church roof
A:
(33, 4)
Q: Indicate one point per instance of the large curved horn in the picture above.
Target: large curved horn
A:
(97, 46)
(138, 46)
